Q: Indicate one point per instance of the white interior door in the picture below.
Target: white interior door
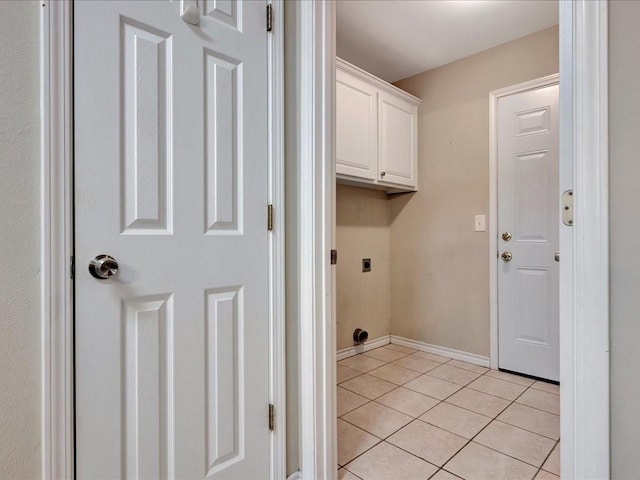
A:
(171, 141)
(528, 223)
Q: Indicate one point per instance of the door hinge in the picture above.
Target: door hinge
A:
(269, 17)
(567, 208)
(269, 217)
(272, 417)
(334, 257)
(72, 267)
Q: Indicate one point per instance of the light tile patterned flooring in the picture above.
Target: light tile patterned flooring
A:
(404, 414)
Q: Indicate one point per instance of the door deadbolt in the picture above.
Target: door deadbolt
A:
(103, 267)
(506, 256)
(506, 236)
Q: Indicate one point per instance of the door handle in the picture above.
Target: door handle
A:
(557, 256)
(506, 256)
(189, 11)
(103, 267)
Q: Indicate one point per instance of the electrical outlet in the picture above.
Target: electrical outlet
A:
(480, 223)
(366, 264)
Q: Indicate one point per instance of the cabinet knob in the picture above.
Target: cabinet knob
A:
(382, 174)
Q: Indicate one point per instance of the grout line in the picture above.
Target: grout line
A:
(345, 468)
(547, 458)
(399, 411)
(492, 419)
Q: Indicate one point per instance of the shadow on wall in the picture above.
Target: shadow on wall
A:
(397, 203)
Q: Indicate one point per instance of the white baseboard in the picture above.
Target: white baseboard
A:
(444, 351)
(356, 349)
(295, 476)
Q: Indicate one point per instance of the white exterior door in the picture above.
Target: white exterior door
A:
(171, 142)
(528, 223)
(356, 127)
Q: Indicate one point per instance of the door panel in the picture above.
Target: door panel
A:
(397, 144)
(171, 142)
(528, 196)
(356, 127)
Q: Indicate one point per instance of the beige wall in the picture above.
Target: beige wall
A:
(624, 208)
(439, 265)
(19, 241)
(362, 231)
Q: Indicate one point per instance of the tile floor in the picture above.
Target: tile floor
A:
(404, 414)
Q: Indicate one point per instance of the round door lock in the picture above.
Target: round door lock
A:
(382, 174)
(103, 267)
(506, 256)
(506, 236)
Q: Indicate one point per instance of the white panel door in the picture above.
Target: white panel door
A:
(397, 132)
(356, 127)
(528, 211)
(171, 141)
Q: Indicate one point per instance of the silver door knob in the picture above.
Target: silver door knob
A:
(506, 236)
(506, 256)
(103, 267)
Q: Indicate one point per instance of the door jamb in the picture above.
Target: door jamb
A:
(494, 96)
(584, 271)
(315, 71)
(57, 287)
(56, 238)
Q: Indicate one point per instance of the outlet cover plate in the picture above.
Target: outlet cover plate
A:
(366, 264)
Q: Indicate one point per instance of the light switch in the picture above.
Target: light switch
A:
(481, 223)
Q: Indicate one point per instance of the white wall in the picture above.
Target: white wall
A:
(19, 240)
(624, 141)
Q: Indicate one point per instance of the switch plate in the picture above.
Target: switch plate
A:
(481, 223)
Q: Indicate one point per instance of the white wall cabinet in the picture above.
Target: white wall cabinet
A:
(376, 132)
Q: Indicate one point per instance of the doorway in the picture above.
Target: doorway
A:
(434, 218)
(524, 264)
(575, 120)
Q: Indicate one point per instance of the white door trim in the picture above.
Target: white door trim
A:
(315, 69)
(56, 240)
(277, 354)
(494, 96)
(276, 192)
(584, 362)
(584, 248)
(56, 112)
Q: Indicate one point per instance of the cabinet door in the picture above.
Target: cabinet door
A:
(356, 127)
(397, 141)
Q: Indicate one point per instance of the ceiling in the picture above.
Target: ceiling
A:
(395, 39)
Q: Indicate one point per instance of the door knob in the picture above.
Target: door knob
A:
(506, 236)
(557, 256)
(506, 256)
(103, 267)
(189, 11)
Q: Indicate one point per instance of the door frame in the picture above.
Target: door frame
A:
(494, 96)
(57, 226)
(584, 270)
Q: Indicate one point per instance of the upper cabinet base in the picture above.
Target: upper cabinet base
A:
(376, 132)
